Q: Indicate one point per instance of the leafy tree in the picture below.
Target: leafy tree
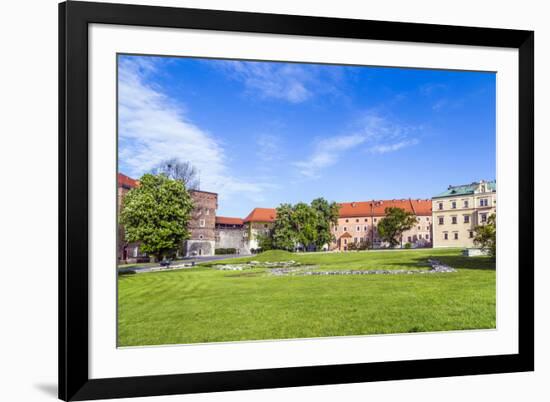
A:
(156, 214)
(284, 237)
(392, 226)
(486, 236)
(327, 215)
(265, 241)
(179, 170)
(305, 224)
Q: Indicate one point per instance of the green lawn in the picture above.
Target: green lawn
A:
(208, 305)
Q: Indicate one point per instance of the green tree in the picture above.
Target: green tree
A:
(305, 224)
(486, 236)
(392, 226)
(156, 214)
(327, 216)
(284, 237)
(265, 241)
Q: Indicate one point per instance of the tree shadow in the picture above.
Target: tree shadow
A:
(457, 262)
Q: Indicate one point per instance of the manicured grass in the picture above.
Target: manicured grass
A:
(208, 305)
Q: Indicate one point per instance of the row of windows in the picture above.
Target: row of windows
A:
(455, 235)
(483, 202)
(365, 228)
(366, 220)
(454, 219)
(413, 238)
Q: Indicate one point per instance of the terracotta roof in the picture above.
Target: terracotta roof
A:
(345, 235)
(228, 221)
(351, 209)
(126, 181)
(261, 215)
(378, 207)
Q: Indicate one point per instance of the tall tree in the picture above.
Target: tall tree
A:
(179, 170)
(327, 216)
(156, 214)
(486, 236)
(392, 226)
(284, 237)
(305, 224)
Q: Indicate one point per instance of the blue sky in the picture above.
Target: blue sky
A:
(264, 133)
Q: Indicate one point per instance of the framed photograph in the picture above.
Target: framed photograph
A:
(257, 201)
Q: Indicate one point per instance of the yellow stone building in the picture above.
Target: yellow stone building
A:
(459, 209)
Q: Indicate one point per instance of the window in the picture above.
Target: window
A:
(358, 228)
(456, 235)
(366, 228)
(453, 220)
(375, 219)
(345, 229)
(355, 240)
(466, 218)
(347, 220)
(441, 220)
(201, 237)
(483, 217)
(465, 203)
(427, 228)
(265, 226)
(409, 239)
(440, 205)
(345, 241)
(428, 218)
(207, 212)
(427, 237)
(483, 202)
(357, 220)
(365, 219)
(202, 223)
(420, 236)
(471, 234)
(446, 236)
(453, 205)
(336, 228)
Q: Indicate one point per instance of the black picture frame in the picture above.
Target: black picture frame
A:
(74, 18)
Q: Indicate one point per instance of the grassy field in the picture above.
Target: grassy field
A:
(208, 305)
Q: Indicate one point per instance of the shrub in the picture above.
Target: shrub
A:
(220, 251)
(408, 245)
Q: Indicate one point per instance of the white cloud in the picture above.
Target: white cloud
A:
(327, 152)
(385, 148)
(268, 147)
(284, 81)
(152, 128)
(376, 132)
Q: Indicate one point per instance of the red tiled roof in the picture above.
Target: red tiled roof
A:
(351, 209)
(378, 207)
(261, 215)
(345, 235)
(228, 221)
(125, 181)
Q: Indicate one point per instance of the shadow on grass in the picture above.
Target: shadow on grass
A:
(457, 262)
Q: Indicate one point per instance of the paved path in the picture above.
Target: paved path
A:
(178, 264)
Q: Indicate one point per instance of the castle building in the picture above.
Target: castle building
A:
(447, 220)
(202, 225)
(357, 223)
(230, 234)
(459, 209)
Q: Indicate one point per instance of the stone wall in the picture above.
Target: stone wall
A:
(232, 238)
(194, 248)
